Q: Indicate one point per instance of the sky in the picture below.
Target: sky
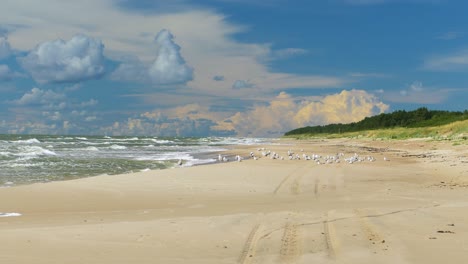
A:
(248, 68)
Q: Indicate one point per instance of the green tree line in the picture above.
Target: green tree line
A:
(421, 117)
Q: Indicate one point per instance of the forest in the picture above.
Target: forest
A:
(421, 117)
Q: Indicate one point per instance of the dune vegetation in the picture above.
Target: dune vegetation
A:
(420, 123)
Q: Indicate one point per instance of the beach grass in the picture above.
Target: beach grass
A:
(456, 132)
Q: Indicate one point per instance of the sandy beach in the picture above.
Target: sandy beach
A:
(410, 208)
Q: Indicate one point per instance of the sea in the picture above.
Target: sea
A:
(26, 159)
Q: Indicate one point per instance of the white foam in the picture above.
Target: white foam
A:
(92, 149)
(239, 141)
(6, 154)
(124, 139)
(190, 163)
(28, 141)
(9, 214)
(33, 151)
(166, 156)
(162, 141)
(117, 147)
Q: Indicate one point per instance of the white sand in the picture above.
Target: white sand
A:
(410, 209)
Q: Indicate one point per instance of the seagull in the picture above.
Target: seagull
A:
(179, 162)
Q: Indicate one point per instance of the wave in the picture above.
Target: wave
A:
(91, 148)
(5, 154)
(122, 139)
(116, 147)
(238, 141)
(27, 141)
(51, 158)
(9, 214)
(162, 141)
(166, 156)
(34, 151)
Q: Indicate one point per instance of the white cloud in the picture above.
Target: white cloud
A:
(450, 62)
(168, 68)
(206, 38)
(279, 115)
(42, 97)
(5, 48)
(78, 59)
(284, 113)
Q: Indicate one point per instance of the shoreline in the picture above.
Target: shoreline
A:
(408, 209)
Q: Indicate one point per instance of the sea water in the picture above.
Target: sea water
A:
(41, 158)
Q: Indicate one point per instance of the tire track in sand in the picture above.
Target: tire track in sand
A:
(294, 188)
(330, 236)
(291, 248)
(296, 185)
(316, 188)
(250, 246)
(297, 171)
(375, 238)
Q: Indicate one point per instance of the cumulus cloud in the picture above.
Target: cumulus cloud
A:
(205, 35)
(52, 111)
(5, 48)
(79, 59)
(187, 120)
(281, 114)
(284, 113)
(157, 123)
(239, 84)
(43, 97)
(168, 68)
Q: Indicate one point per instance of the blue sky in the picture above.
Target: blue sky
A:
(225, 67)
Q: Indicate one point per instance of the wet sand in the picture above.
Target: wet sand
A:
(412, 208)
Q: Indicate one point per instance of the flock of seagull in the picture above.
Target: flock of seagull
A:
(319, 159)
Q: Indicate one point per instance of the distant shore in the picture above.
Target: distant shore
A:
(335, 201)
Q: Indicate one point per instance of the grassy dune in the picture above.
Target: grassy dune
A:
(456, 132)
